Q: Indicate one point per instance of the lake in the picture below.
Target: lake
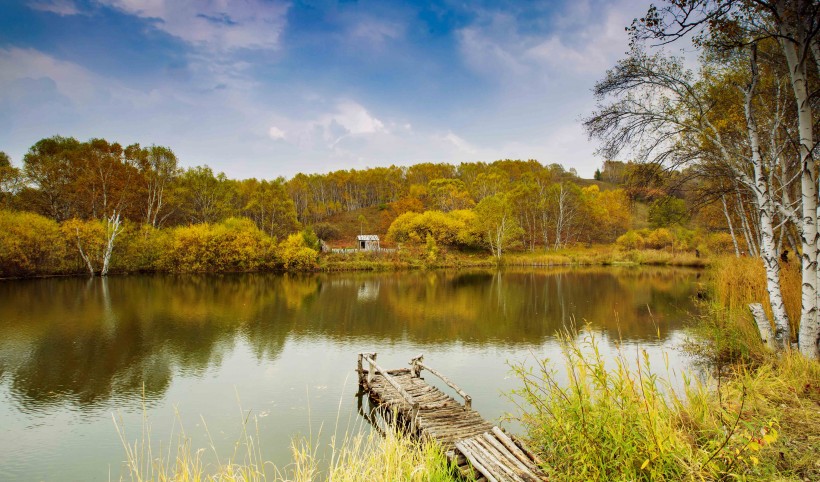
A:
(204, 351)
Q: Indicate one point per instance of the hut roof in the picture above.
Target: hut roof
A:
(367, 237)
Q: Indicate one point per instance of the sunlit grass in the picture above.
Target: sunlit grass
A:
(753, 416)
(356, 455)
(596, 418)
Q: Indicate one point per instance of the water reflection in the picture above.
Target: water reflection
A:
(87, 342)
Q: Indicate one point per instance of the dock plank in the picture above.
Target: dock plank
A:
(478, 448)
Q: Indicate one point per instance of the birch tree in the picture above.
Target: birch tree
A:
(158, 168)
(795, 26)
(495, 218)
(668, 115)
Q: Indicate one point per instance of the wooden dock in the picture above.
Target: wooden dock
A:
(474, 445)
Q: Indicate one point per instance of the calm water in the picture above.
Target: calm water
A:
(75, 351)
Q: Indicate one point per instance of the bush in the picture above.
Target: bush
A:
(720, 243)
(295, 255)
(235, 244)
(659, 239)
(30, 244)
(141, 248)
(454, 228)
(326, 231)
(631, 240)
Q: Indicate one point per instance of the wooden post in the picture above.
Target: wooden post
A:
(360, 369)
(371, 360)
(415, 364)
(763, 325)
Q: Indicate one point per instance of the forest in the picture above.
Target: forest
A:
(94, 206)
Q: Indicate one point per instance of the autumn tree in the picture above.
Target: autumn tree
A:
(11, 180)
(738, 25)
(496, 221)
(158, 168)
(449, 195)
(268, 205)
(204, 197)
(52, 166)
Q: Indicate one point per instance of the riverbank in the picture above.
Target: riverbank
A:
(599, 255)
(753, 418)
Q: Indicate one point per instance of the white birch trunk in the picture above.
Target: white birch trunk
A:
(112, 229)
(766, 210)
(744, 224)
(729, 222)
(809, 331)
(84, 256)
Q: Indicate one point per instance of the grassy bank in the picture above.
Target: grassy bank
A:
(598, 255)
(753, 418)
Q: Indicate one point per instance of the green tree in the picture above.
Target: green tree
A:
(268, 204)
(204, 197)
(667, 211)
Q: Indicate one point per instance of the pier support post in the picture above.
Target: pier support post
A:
(415, 365)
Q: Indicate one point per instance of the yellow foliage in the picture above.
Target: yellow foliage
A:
(232, 245)
(296, 255)
(450, 229)
(29, 244)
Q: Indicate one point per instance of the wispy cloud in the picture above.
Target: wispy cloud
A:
(216, 25)
(59, 7)
(582, 39)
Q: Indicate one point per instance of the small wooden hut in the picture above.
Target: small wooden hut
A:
(367, 242)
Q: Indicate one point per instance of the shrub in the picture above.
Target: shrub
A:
(720, 243)
(235, 244)
(140, 248)
(29, 244)
(454, 228)
(659, 239)
(295, 255)
(631, 240)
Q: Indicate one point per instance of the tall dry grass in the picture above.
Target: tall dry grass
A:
(736, 282)
(593, 418)
(356, 455)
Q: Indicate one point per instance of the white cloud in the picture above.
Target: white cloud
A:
(346, 118)
(276, 133)
(355, 118)
(60, 7)
(70, 80)
(583, 39)
(374, 33)
(216, 25)
(459, 143)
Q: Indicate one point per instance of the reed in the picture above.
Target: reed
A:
(620, 420)
(356, 455)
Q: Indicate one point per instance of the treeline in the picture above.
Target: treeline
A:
(31, 244)
(92, 196)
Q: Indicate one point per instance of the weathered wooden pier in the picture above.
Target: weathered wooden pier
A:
(474, 445)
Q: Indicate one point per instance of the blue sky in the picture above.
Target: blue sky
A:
(259, 88)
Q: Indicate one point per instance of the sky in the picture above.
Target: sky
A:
(258, 88)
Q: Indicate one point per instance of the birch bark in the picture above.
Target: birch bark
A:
(766, 210)
(794, 49)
